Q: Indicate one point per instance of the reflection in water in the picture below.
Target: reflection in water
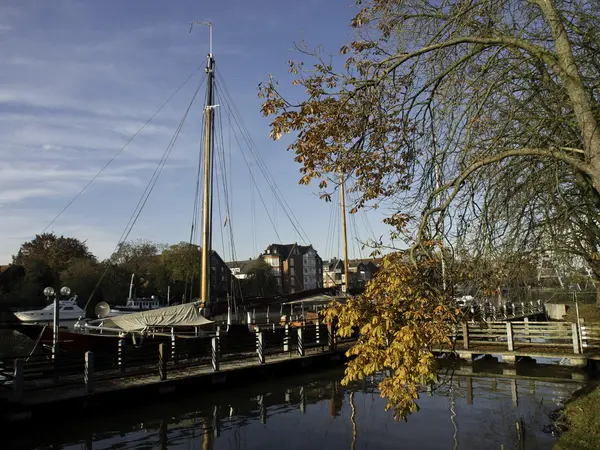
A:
(468, 412)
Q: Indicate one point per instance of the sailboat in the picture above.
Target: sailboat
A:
(163, 322)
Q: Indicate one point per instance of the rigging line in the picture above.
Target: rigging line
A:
(245, 138)
(122, 148)
(151, 184)
(224, 176)
(254, 180)
(261, 164)
(216, 178)
(278, 196)
(226, 188)
(158, 169)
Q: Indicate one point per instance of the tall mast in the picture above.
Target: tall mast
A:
(207, 194)
(343, 208)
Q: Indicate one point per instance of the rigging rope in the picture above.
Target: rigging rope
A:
(146, 194)
(260, 162)
(122, 148)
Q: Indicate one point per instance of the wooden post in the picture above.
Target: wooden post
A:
(216, 422)
(248, 318)
(526, 321)
(509, 336)
(523, 309)
(575, 336)
(120, 360)
(173, 347)
(317, 337)
(286, 338)
(216, 357)
(331, 337)
(88, 373)
(465, 330)
(162, 362)
(300, 342)
(268, 311)
(514, 312)
(19, 380)
(260, 349)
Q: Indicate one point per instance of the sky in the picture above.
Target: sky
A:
(78, 80)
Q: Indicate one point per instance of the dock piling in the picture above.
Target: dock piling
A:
(215, 354)
(19, 379)
(260, 349)
(162, 362)
(300, 342)
(88, 373)
(465, 330)
(510, 336)
(286, 338)
(120, 361)
(575, 334)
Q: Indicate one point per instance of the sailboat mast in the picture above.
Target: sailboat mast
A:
(344, 235)
(206, 203)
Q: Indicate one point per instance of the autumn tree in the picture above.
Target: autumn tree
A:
(474, 121)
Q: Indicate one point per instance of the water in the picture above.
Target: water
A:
(315, 412)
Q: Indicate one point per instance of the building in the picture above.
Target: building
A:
(240, 269)
(296, 267)
(359, 271)
(221, 283)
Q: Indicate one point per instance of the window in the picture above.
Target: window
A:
(306, 279)
(291, 262)
(305, 270)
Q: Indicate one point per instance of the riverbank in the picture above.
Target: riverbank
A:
(581, 419)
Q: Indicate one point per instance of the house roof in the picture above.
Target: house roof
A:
(244, 266)
(285, 250)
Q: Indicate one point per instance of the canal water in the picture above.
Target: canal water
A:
(316, 412)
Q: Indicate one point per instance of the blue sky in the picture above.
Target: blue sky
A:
(79, 78)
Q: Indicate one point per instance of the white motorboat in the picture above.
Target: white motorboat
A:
(68, 314)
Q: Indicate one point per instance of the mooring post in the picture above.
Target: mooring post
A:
(575, 336)
(514, 312)
(216, 422)
(317, 336)
(268, 312)
(120, 361)
(531, 309)
(286, 338)
(331, 337)
(260, 349)
(162, 362)
(526, 321)
(215, 354)
(55, 328)
(465, 331)
(88, 374)
(300, 342)
(523, 313)
(173, 347)
(248, 318)
(509, 336)
(19, 379)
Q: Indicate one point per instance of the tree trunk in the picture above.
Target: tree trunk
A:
(597, 283)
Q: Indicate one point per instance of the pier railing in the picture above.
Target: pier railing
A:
(562, 337)
(182, 355)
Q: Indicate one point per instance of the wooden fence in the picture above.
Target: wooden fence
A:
(564, 337)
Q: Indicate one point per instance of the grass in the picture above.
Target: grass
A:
(581, 417)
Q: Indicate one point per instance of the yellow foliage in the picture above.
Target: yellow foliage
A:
(401, 317)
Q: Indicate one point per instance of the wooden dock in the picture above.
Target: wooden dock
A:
(37, 385)
(513, 341)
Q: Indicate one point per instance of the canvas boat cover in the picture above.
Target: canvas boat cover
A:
(186, 315)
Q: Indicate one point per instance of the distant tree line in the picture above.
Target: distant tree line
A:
(51, 260)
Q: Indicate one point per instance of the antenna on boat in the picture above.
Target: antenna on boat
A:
(209, 24)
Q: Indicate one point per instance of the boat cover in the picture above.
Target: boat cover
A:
(186, 315)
